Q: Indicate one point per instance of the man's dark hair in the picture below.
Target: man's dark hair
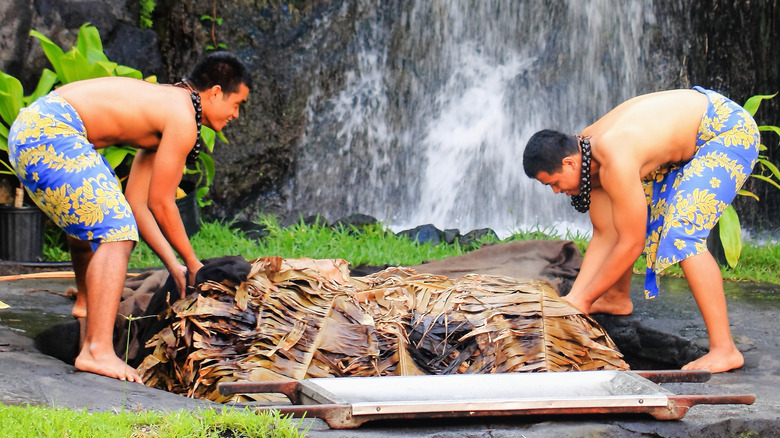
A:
(220, 68)
(546, 150)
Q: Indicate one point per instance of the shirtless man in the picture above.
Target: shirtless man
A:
(52, 147)
(656, 172)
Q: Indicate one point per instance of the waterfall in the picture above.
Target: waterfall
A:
(431, 120)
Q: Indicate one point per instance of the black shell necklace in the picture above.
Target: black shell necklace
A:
(195, 97)
(581, 202)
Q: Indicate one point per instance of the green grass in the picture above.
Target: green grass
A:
(761, 264)
(374, 245)
(377, 246)
(37, 421)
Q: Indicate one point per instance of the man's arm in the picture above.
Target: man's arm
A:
(619, 216)
(622, 184)
(154, 178)
(601, 244)
(177, 140)
(137, 193)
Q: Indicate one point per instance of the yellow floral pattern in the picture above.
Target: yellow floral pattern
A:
(685, 202)
(64, 174)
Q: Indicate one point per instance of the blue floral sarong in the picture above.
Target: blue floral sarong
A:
(686, 200)
(66, 177)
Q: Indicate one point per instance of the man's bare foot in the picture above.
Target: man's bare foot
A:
(80, 306)
(577, 304)
(718, 361)
(603, 304)
(108, 365)
(79, 312)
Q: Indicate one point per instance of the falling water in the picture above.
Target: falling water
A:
(430, 124)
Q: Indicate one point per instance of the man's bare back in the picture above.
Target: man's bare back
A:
(654, 130)
(118, 110)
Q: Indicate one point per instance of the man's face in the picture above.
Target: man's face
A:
(566, 180)
(225, 107)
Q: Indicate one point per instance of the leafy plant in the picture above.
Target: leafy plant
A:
(205, 169)
(86, 60)
(12, 100)
(146, 8)
(730, 230)
(215, 21)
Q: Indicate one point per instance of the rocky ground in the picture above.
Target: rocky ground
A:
(673, 319)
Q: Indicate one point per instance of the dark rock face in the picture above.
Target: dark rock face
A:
(737, 52)
(297, 47)
(60, 20)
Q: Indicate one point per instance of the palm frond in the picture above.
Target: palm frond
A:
(302, 318)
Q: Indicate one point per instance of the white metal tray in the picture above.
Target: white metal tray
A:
(348, 402)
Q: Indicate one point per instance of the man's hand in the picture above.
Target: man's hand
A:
(179, 274)
(192, 270)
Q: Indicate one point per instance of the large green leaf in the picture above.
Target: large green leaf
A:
(11, 95)
(96, 57)
(52, 51)
(129, 72)
(89, 43)
(209, 137)
(4, 136)
(730, 235)
(5, 167)
(208, 167)
(753, 103)
(76, 67)
(116, 154)
(102, 69)
(73, 67)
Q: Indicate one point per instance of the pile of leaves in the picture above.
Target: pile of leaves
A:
(301, 318)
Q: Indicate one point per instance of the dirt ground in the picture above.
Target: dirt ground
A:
(30, 377)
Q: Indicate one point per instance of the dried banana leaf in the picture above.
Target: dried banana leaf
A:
(301, 318)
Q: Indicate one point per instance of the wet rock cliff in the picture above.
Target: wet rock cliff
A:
(304, 50)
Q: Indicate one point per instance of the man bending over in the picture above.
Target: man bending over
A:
(656, 173)
(53, 148)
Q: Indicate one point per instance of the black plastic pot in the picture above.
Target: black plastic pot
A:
(190, 213)
(21, 233)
